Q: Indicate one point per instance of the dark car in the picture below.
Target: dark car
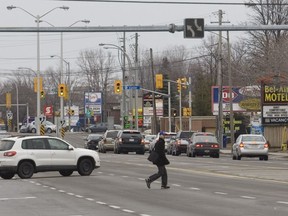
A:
(96, 128)
(129, 141)
(181, 141)
(203, 143)
(92, 141)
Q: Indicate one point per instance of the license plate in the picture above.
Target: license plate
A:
(206, 151)
(131, 140)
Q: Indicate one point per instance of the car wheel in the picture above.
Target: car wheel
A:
(233, 157)
(66, 172)
(25, 170)
(265, 158)
(33, 130)
(49, 130)
(216, 155)
(238, 157)
(85, 167)
(7, 175)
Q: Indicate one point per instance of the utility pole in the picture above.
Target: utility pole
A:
(154, 131)
(124, 84)
(219, 83)
(136, 80)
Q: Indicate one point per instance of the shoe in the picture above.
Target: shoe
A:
(165, 187)
(148, 183)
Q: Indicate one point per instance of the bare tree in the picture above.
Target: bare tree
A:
(267, 49)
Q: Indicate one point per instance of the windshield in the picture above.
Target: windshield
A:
(6, 145)
(187, 134)
(253, 138)
(205, 139)
(112, 134)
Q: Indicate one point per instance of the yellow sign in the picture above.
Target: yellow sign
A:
(253, 104)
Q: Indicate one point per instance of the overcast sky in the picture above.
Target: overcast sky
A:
(20, 49)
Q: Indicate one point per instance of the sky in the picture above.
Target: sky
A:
(20, 49)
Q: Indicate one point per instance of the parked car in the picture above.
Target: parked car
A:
(203, 143)
(25, 156)
(107, 143)
(50, 127)
(250, 145)
(148, 139)
(129, 141)
(181, 141)
(92, 141)
(101, 127)
(31, 127)
(167, 138)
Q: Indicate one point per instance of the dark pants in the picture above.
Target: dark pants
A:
(161, 173)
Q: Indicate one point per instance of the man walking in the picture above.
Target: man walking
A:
(160, 163)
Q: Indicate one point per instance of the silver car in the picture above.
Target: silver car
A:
(250, 145)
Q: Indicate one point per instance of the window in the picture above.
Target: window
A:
(6, 145)
(57, 144)
(33, 144)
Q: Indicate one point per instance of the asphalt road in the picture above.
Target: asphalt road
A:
(200, 186)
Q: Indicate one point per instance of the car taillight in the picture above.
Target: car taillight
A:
(142, 141)
(10, 154)
(178, 142)
(266, 145)
(214, 146)
(120, 140)
(241, 145)
(199, 145)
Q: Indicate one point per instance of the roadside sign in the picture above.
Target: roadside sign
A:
(131, 87)
(194, 28)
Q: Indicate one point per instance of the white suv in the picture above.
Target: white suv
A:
(31, 154)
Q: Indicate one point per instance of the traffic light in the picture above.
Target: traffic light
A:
(62, 90)
(184, 82)
(179, 84)
(189, 111)
(118, 87)
(42, 94)
(72, 112)
(159, 81)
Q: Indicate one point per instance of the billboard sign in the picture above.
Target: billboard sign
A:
(243, 99)
(93, 103)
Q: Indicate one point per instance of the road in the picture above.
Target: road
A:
(200, 186)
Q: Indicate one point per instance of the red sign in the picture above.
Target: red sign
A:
(48, 110)
(226, 95)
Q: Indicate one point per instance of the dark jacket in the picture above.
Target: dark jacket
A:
(160, 149)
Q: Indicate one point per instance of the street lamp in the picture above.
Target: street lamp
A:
(37, 17)
(124, 82)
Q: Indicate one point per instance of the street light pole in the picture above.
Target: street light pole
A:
(123, 77)
(69, 88)
(38, 17)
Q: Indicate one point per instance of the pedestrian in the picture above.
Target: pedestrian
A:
(160, 163)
